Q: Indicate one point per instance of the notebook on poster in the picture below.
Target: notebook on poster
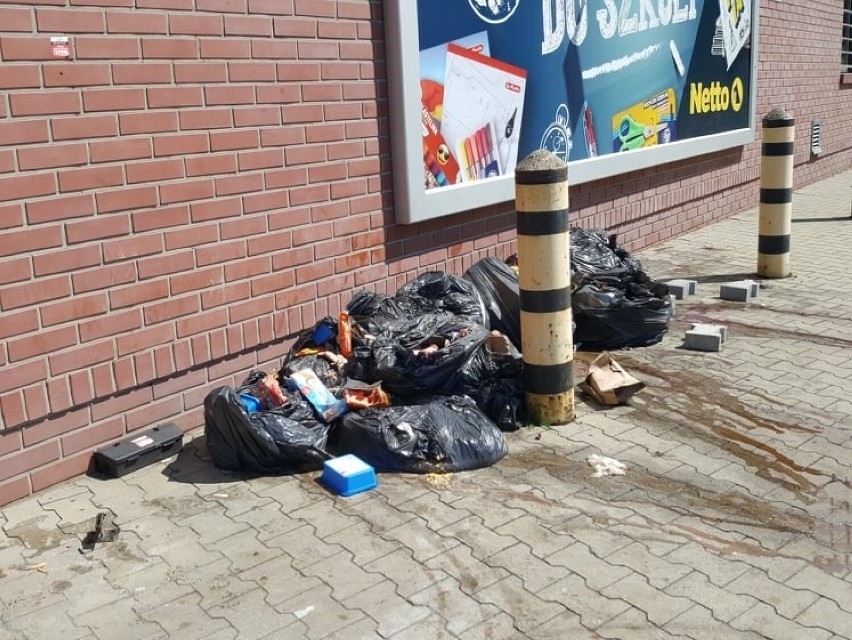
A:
(480, 91)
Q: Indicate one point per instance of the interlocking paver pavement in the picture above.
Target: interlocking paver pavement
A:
(732, 521)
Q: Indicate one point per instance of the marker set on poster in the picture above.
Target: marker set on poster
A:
(478, 156)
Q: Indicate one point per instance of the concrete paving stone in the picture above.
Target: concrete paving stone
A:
(326, 517)
(279, 579)
(553, 488)
(787, 601)
(213, 582)
(304, 546)
(46, 624)
(288, 491)
(828, 586)
(471, 573)
(565, 625)
(322, 613)
(432, 627)
(724, 605)
(252, 616)
(501, 627)
(268, 521)
(659, 572)
(482, 541)
(492, 513)
(66, 490)
(409, 575)
(150, 587)
(36, 533)
(399, 488)
(597, 572)
(698, 622)
(592, 530)
(243, 549)
(392, 612)
(764, 620)
(213, 525)
(633, 624)
(180, 508)
(657, 605)
(84, 585)
(184, 618)
(119, 620)
(376, 512)
(777, 566)
(535, 573)
(178, 546)
(237, 501)
(364, 545)
(343, 575)
(415, 536)
(27, 594)
(527, 609)
(592, 607)
(459, 610)
(126, 501)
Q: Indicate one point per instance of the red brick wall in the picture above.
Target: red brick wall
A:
(203, 178)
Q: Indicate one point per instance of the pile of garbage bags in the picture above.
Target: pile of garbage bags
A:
(426, 380)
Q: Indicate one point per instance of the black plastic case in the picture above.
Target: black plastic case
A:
(139, 450)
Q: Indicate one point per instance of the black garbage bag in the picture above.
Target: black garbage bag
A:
(373, 313)
(283, 440)
(436, 291)
(595, 257)
(436, 434)
(495, 382)
(408, 367)
(606, 318)
(497, 284)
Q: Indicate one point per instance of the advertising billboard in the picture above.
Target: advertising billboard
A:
(609, 86)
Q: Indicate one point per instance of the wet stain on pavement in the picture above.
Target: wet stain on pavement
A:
(33, 535)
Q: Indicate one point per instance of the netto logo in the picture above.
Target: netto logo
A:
(716, 96)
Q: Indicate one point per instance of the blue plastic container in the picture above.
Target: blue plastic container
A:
(348, 475)
(251, 403)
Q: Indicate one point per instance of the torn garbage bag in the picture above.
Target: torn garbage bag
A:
(280, 440)
(438, 291)
(438, 434)
(408, 368)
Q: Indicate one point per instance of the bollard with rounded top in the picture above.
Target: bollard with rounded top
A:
(541, 200)
(776, 194)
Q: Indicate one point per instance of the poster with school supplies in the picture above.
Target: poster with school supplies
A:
(481, 92)
(607, 86)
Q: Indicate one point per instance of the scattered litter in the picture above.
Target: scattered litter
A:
(105, 531)
(348, 475)
(41, 567)
(220, 495)
(301, 613)
(439, 480)
(604, 466)
(608, 382)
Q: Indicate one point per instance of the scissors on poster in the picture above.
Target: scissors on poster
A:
(633, 135)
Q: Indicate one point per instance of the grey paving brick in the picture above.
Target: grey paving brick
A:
(698, 622)
(269, 520)
(762, 619)
(150, 587)
(459, 611)
(419, 539)
(364, 545)
(48, 622)
(535, 573)
(633, 624)
(243, 550)
(592, 607)
(392, 612)
(119, 620)
(543, 538)
(657, 571)
(252, 616)
(436, 513)
(826, 614)
(280, 580)
(432, 627)
(326, 517)
(659, 607)
(724, 605)
(403, 570)
(592, 530)
(471, 573)
(376, 512)
(304, 546)
(596, 572)
(501, 627)
(212, 525)
(787, 601)
(185, 619)
(720, 570)
(483, 541)
(27, 593)
(343, 575)
(527, 609)
(322, 614)
(290, 492)
(565, 625)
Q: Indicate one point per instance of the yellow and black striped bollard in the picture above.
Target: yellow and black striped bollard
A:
(776, 195)
(541, 200)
